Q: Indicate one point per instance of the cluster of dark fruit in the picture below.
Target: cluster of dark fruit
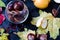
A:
(37, 37)
(16, 6)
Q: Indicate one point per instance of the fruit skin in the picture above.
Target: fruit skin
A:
(31, 36)
(2, 18)
(42, 36)
(18, 5)
(10, 7)
(42, 4)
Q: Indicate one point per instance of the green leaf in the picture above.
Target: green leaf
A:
(2, 4)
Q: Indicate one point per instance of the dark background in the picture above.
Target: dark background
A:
(33, 12)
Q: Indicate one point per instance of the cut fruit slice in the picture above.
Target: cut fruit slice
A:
(42, 22)
(38, 24)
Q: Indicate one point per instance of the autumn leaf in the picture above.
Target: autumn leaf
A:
(53, 25)
(23, 35)
(2, 4)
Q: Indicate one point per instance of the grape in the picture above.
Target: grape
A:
(31, 36)
(10, 7)
(42, 37)
(24, 12)
(18, 17)
(17, 12)
(18, 5)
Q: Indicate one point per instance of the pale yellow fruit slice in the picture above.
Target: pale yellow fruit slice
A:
(42, 26)
(44, 23)
(38, 24)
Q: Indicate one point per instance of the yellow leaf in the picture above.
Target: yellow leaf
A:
(53, 28)
(42, 31)
(56, 22)
(23, 35)
(54, 33)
